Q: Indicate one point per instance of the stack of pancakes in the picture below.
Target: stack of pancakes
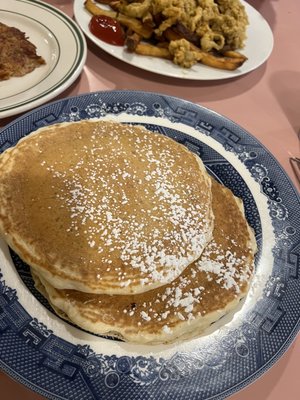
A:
(125, 232)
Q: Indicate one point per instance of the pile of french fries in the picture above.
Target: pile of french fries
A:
(142, 38)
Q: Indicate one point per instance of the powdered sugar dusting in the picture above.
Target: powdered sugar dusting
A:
(138, 203)
(213, 281)
(224, 266)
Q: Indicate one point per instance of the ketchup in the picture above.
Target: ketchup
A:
(107, 29)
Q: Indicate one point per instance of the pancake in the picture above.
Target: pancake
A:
(104, 207)
(206, 290)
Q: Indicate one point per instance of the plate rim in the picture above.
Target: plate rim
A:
(296, 327)
(64, 81)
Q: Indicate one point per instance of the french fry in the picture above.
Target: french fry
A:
(228, 63)
(107, 2)
(146, 49)
(96, 10)
(234, 54)
(165, 45)
(170, 34)
(148, 20)
(135, 25)
(132, 41)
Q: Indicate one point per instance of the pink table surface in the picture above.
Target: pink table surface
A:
(266, 102)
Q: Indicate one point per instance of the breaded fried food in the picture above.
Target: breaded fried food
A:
(206, 31)
(217, 23)
(18, 55)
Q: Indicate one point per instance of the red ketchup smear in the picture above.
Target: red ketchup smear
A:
(107, 29)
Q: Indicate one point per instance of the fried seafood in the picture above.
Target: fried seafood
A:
(184, 31)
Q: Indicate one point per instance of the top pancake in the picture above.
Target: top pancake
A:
(206, 290)
(103, 207)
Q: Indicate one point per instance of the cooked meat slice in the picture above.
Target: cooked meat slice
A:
(17, 54)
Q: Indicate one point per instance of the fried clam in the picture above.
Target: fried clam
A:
(184, 31)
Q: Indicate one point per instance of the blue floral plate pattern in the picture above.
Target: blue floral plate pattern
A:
(61, 361)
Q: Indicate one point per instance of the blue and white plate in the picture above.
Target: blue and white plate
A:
(61, 361)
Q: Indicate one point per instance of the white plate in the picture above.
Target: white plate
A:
(58, 41)
(258, 48)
